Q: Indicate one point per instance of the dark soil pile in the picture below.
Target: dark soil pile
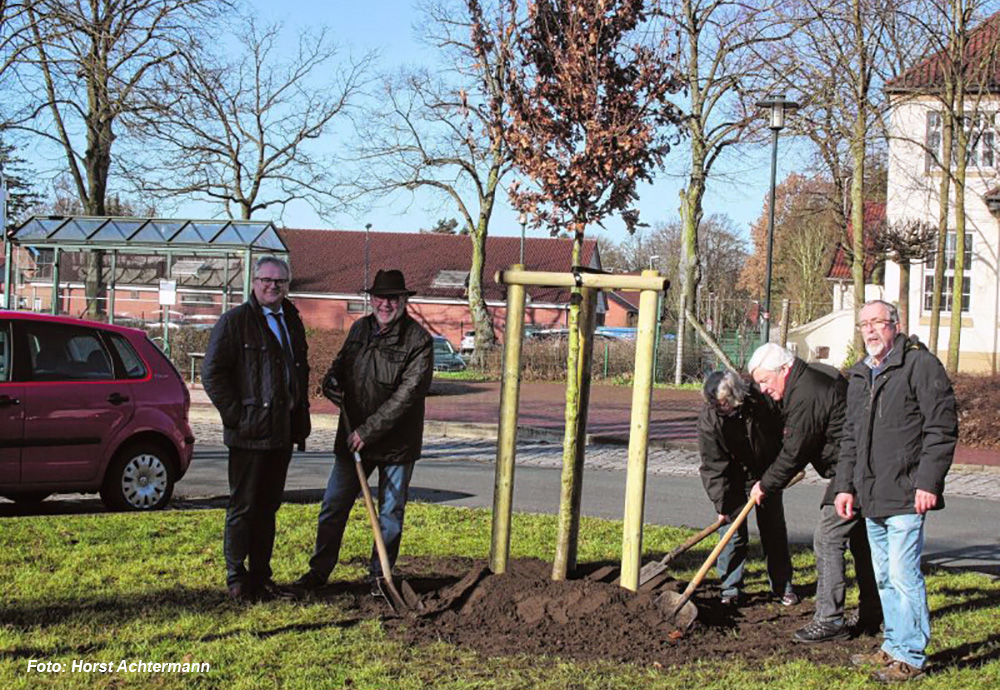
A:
(525, 612)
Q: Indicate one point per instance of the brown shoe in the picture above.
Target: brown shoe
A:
(897, 672)
(879, 658)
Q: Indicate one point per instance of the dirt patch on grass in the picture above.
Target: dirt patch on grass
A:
(525, 612)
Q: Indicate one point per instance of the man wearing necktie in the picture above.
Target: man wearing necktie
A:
(256, 373)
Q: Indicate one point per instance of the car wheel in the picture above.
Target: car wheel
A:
(141, 477)
(28, 497)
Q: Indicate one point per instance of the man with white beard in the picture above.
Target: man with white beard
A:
(898, 444)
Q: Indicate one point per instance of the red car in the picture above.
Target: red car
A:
(88, 407)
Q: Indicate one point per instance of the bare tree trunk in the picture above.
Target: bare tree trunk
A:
(962, 139)
(482, 321)
(904, 296)
(944, 199)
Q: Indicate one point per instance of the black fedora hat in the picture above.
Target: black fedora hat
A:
(389, 283)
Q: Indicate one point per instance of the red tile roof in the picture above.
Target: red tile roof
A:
(841, 267)
(982, 64)
(333, 261)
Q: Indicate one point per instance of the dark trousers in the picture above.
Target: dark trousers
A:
(830, 542)
(256, 484)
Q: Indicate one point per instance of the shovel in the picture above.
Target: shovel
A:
(680, 611)
(654, 568)
(385, 584)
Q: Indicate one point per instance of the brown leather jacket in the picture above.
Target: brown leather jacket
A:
(384, 379)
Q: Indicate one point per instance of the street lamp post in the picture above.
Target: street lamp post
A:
(523, 220)
(778, 107)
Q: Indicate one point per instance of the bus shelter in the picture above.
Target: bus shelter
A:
(88, 260)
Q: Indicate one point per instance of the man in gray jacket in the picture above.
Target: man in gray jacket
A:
(380, 378)
(899, 442)
(256, 372)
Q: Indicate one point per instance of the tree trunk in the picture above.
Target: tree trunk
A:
(482, 320)
(904, 296)
(962, 139)
(944, 199)
(858, 220)
(561, 562)
(687, 269)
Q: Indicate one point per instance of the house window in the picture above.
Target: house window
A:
(356, 307)
(949, 275)
(980, 128)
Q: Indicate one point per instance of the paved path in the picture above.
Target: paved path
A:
(678, 462)
(672, 424)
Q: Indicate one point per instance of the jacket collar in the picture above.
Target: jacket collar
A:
(396, 330)
(286, 306)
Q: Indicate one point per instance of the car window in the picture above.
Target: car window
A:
(66, 353)
(442, 347)
(4, 353)
(134, 368)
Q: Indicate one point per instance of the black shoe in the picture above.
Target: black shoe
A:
(373, 587)
(863, 625)
(311, 581)
(269, 590)
(241, 592)
(821, 632)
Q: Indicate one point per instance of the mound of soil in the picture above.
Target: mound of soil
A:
(524, 612)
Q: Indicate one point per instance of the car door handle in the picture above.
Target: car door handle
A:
(7, 401)
(117, 398)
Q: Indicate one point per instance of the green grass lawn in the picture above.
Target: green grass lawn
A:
(103, 588)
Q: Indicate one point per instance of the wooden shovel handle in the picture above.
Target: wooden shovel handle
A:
(383, 554)
(692, 541)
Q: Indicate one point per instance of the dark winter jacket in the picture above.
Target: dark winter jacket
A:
(813, 414)
(245, 375)
(384, 379)
(900, 433)
(736, 450)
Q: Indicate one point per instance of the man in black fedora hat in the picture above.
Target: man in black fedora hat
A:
(380, 378)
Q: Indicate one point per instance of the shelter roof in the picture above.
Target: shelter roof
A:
(109, 232)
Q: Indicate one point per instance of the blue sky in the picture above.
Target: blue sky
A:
(387, 25)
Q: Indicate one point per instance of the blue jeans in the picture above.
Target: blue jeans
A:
(774, 542)
(897, 543)
(341, 491)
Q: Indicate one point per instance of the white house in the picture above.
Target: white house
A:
(913, 193)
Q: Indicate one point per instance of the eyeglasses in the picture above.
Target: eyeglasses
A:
(875, 324)
(276, 282)
(394, 299)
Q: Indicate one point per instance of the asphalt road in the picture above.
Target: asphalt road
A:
(964, 535)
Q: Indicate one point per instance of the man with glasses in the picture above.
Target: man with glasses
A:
(899, 442)
(256, 372)
(812, 399)
(380, 378)
(739, 435)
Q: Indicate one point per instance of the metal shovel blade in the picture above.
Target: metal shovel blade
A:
(392, 596)
(677, 609)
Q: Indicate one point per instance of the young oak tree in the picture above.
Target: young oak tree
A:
(589, 117)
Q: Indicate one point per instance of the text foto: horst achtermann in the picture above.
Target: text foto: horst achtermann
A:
(122, 666)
